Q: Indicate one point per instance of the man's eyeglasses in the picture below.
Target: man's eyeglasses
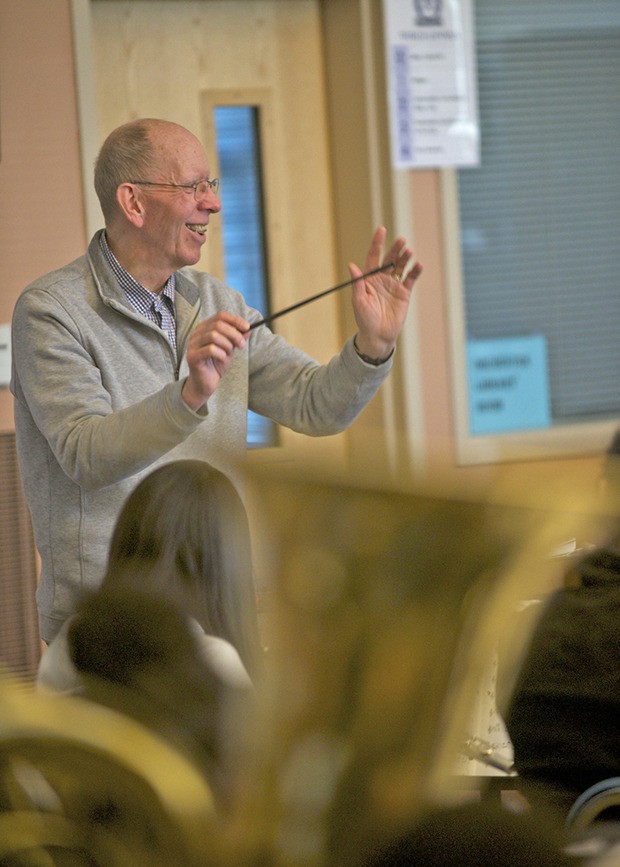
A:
(201, 188)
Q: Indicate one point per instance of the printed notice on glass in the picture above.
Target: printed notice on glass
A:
(508, 384)
(432, 87)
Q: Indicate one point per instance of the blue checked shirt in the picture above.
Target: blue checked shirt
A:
(157, 307)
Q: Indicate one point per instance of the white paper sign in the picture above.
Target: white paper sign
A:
(432, 87)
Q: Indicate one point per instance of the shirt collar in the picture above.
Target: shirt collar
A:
(129, 284)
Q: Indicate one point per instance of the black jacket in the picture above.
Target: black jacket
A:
(564, 715)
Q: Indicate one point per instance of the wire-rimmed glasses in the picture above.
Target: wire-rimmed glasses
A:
(201, 188)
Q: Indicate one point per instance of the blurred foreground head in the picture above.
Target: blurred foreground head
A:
(610, 471)
(138, 653)
(475, 835)
(183, 531)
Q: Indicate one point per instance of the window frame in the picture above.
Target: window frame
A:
(556, 441)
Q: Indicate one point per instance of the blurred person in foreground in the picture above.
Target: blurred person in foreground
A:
(476, 835)
(135, 651)
(562, 715)
(183, 534)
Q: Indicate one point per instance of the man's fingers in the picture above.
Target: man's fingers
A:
(225, 331)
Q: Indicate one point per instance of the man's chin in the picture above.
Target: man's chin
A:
(190, 257)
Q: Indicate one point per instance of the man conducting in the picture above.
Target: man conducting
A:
(127, 357)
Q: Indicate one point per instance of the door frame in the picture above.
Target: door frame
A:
(392, 426)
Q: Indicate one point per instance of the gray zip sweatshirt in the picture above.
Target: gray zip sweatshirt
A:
(98, 404)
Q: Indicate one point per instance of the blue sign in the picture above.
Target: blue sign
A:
(508, 384)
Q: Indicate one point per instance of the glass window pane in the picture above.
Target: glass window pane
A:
(539, 218)
(245, 259)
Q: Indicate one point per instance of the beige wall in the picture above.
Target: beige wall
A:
(41, 217)
(42, 226)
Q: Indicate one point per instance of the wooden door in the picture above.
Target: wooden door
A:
(178, 59)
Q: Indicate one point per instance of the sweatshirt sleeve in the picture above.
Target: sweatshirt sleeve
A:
(314, 399)
(59, 386)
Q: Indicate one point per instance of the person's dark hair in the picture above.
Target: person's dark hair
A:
(611, 464)
(184, 531)
(137, 653)
(128, 153)
(477, 834)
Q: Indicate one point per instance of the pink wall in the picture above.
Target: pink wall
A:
(41, 212)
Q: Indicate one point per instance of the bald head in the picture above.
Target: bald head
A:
(135, 150)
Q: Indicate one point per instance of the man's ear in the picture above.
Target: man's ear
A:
(131, 203)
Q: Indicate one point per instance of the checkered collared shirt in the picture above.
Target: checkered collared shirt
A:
(158, 307)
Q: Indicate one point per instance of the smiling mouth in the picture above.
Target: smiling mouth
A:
(200, 228)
